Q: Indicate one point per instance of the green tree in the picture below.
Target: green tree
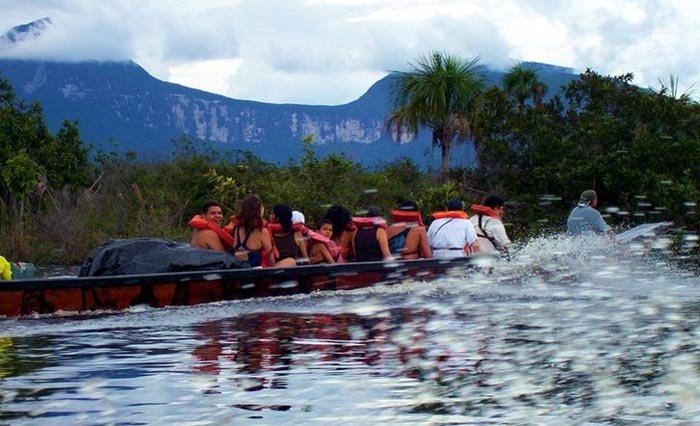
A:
(440, 92)
(22, 127)
(21, 176)
(671, 88)
(522, 84)
(65, 157)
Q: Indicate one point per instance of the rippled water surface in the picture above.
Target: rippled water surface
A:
(566, 333)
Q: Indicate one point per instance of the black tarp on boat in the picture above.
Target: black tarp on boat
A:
(151, 256)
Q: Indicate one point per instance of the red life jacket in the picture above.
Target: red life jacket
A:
(456, 214)
(199, 222)
(332, 247)
(276, 228)
(407, 216)
(483, 210)
(367, 222)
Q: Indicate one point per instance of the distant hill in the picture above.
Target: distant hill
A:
(121, 101)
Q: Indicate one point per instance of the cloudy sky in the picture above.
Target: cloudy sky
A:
(331, 51)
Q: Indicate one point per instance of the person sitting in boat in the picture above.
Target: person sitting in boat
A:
(289, 243)
(407, 235)
(584, 218)
(252, 242)
(321, 248)
(451, 234)
(488, 223)
(5, 270)
(206, 229)
(343, 228)
(369, 240)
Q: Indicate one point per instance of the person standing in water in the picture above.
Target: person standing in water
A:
(584, 218)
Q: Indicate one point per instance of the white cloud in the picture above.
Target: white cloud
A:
(331, 51)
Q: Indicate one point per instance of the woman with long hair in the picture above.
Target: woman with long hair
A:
(342, 228)
(251, 240)
(290, 246)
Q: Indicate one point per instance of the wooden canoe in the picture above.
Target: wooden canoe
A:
(82, 294)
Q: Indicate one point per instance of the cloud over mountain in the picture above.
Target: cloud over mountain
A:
(329, 51)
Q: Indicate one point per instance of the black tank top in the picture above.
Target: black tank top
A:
(366, 245)
(286, 245)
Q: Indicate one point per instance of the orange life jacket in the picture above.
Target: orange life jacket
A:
(199, 222)
(407, 216)
(367, 222)
(456, 214)
(483, 210)
(332, 247)
(452, 214)
(276, 228)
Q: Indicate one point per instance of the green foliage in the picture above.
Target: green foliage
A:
(435, 198)
(603, 133)
(638, 149)
(62, 158)
(441, 92)
(522, 84)
(225, 188)
(21, 175)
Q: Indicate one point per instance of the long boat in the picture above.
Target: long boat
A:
(114, 293)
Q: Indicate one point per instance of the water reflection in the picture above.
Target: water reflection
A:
(469, 366)
(266, 346)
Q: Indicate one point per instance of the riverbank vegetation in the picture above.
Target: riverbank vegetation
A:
(637, 147)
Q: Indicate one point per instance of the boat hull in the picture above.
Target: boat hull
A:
(45, 296)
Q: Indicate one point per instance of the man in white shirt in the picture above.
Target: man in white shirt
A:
(451, 234)
(488, 222)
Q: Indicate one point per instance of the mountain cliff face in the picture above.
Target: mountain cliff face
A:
(122, 103)
(119, 106)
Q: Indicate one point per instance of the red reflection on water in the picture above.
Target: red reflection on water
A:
(270, 341)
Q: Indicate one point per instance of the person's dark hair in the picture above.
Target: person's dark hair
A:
(249, 214)
(455, 204)
(588, 196)
(339, 217)
(208, 205)
(494, 201)
(284, 216)
(373, 211)
(409, 206)
(322, 222)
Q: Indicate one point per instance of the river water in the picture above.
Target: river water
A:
(567, 332)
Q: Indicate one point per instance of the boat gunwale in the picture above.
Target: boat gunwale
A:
(292, 273)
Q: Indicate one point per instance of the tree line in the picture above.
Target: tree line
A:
(636, 147)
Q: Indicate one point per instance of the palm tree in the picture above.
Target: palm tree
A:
(524, 83)
(439, 92)
(671, 88)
